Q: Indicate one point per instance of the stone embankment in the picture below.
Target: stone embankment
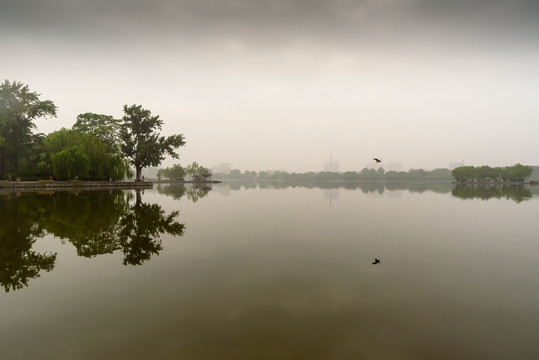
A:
(187, 181)
(51, 184)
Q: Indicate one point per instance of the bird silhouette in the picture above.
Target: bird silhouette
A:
(377, 160)
(376, 261)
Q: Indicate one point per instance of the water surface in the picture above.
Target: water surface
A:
(270, 272)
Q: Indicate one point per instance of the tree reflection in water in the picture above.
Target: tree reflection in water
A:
(139, 231)
(19, 229)
(95, 222)
(367, 187)
(194, 192)
(485, 191)
(516, 193)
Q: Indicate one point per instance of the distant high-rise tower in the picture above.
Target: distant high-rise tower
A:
(222, 168)
(331, 165)
(455, 165)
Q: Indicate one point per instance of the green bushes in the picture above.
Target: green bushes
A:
(515, 173)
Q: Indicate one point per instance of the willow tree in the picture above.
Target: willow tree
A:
(19, 108)
(70, 163)
(63, 156)
(141, 141)
(107, 129)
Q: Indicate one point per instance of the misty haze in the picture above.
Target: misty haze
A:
(269, 179)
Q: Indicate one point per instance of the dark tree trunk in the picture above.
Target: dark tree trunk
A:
(2, 166)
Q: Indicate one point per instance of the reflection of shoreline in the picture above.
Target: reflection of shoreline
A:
(495, 182)
(365, 186)
(515, 192)
(193, 192)
(488, 191)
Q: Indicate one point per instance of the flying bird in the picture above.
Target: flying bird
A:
(377, 160)
(376, 261)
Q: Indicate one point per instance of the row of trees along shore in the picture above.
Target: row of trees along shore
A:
(515, 173)
(97, 147)
(348, 176)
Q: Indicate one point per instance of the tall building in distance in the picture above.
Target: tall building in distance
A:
(455, 165)
(224, 168)
(331, 165)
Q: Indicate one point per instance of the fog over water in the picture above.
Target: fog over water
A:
(280, 84)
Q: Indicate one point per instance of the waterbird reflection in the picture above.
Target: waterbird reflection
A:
(95, 222)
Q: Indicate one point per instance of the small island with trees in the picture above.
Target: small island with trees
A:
(517, 174)
(177, 173)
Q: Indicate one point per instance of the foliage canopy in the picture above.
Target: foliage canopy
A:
(19, 108)
(141, 143)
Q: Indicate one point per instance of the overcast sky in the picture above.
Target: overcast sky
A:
(282, 84)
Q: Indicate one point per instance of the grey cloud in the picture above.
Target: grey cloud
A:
(270, 20)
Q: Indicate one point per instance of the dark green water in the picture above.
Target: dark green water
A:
(271, 272)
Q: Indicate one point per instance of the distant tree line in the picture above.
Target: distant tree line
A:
(97, 147)
(515, 173)
(350, 176)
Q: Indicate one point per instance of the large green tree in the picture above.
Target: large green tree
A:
(141, 143)
(19, 107)
(107, 129)
(518, 172)
(104, 127)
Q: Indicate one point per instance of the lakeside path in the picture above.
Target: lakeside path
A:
(20, 185)
(87, 185)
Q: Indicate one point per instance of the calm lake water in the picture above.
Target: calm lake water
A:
(271, 272)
